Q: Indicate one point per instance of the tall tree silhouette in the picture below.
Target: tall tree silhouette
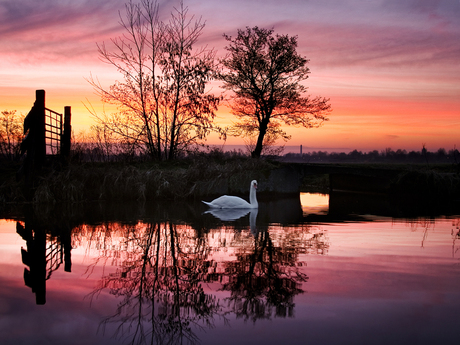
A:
(163, 104)
(265, 72)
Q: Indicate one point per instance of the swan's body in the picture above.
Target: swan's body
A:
(228, 201)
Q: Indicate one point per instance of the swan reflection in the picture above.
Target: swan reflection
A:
(229, 214)
(168, 274)
(172, 277)
(163, 285)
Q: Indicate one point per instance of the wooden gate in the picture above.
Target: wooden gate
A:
(48, 136)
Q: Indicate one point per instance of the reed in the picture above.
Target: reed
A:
(10, 187)
(195, 177)
(429, 183)
(116, 182)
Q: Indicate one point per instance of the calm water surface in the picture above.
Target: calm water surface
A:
(314, 270)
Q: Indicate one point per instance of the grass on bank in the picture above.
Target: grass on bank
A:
(193, 178)
(187, 178)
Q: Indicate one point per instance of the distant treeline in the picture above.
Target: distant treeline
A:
(97, 153)
(385, 156)
(90, 149)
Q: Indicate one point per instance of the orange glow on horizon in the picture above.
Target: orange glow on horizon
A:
(391, 73)
(375, 125)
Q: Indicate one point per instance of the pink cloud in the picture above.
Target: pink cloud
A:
(388, 61)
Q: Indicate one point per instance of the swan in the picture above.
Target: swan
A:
(228, 201)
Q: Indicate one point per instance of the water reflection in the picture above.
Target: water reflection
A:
(234, 214)
(265, 277)
(163, 269)
(455, 236)
(314, 203)
(48, 245)
(229, 214)
(174, 270)
(158, 280)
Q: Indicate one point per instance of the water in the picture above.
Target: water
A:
(316, 270)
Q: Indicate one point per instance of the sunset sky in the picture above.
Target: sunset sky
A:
(391, 68)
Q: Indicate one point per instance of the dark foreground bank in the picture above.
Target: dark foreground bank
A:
(204, 177)
(186, 179)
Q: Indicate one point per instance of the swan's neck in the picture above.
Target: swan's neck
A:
(252, 197)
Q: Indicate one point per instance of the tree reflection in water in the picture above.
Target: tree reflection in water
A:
(164, 270)
(429, 226)
(167, 274)
(264, 277)
(160, 266)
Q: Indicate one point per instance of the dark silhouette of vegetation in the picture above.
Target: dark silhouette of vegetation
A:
(94, 175)
(163, 104)
(11, 134)
(265, 73)
(385, 156)
(189, 178)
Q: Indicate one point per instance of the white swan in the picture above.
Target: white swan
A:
(227, 201)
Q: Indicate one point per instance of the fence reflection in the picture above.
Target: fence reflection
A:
(179, 270)
(48, 245)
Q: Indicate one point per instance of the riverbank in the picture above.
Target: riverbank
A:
(207, 176)
(182, 179)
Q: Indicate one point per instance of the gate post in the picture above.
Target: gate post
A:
(39, 124)
(34, 143)
(66, 134)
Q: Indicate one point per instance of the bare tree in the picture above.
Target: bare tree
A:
(11, 134)
(163, 102)
(265, 73)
